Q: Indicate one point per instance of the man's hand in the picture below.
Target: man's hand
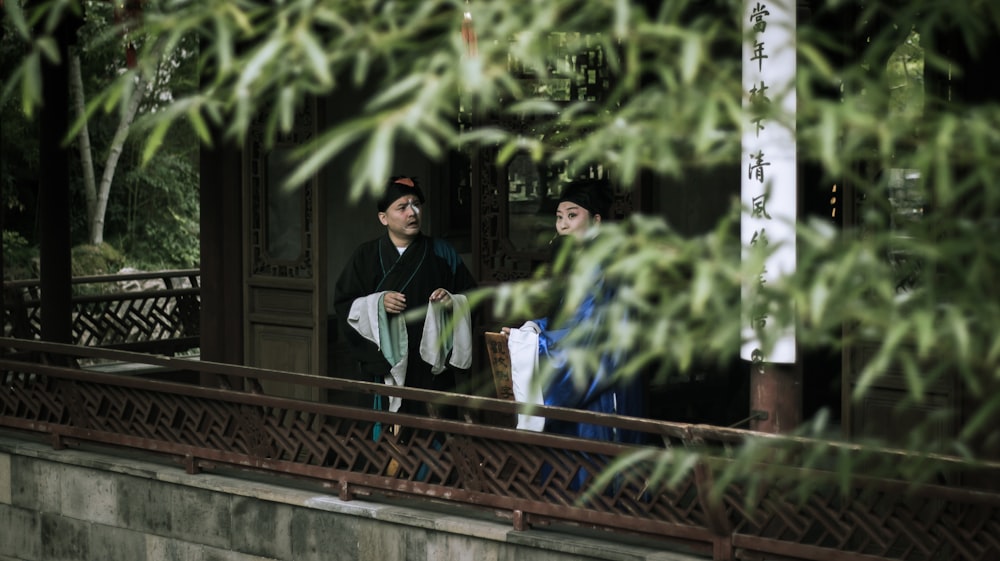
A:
(394, 302)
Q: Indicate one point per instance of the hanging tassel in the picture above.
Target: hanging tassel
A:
(126, 12)
(469, 34)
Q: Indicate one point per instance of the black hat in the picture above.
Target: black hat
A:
(592, 194)
(399, 186)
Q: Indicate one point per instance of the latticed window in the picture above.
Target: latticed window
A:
(517, 190)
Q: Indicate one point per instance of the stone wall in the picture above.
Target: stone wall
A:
(82, 505)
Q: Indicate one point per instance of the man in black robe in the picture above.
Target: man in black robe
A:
(413, 270)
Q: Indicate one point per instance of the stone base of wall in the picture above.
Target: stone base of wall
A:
(80, 505)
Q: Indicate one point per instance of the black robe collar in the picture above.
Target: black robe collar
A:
(398, 270)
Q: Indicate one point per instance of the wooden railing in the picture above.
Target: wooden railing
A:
(156, 312)
(528, 478)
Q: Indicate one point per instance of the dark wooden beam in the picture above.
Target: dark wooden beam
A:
(221, 253)
(56, 273)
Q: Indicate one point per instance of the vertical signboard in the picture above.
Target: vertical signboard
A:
(769, 172)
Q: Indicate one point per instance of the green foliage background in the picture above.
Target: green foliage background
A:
(152, 215)
(922, 292)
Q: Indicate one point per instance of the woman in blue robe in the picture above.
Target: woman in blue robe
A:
(582, 206)
(602, 392)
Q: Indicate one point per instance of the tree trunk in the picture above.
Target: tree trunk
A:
(114, 153)
(77, 98)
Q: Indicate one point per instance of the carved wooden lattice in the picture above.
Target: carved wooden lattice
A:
(577, 73)
(161, 311)
(539, 475)
(267, 168)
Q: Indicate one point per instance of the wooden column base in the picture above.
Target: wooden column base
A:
(775, 397)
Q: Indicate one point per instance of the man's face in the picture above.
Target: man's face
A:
(402, 218)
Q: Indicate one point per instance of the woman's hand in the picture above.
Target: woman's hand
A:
(440, 296)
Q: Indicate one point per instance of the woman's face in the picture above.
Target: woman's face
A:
(573, 219)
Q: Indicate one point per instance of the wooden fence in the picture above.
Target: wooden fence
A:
(156, 312)
(225, 418)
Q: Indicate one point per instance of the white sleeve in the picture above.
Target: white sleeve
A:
(523, 345)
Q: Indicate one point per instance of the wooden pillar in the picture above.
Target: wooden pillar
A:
(56, 271)
(775, 397)
(769, 184)
(221, 253)
(3, 224)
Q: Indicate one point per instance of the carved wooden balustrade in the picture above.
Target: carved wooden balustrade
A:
(528, 478)
(150, 312)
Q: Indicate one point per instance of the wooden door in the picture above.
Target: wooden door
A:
(285, 296)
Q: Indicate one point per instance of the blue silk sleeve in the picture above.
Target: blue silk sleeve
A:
(565, 389)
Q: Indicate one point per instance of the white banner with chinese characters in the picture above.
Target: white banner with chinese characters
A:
(769, 171)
